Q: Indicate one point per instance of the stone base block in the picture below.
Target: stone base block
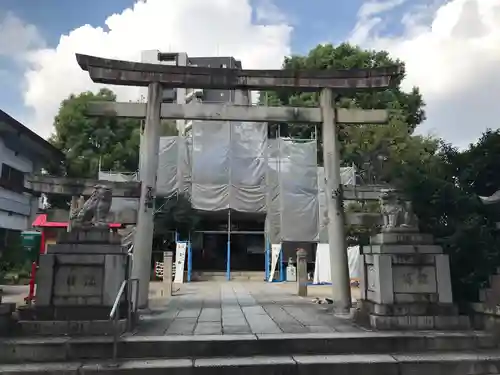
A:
(411, 316)
(68, 313)
(90, 236)
(86, 249)
(6, 320)
(404, 309)
(402, 237)
(426, 322)
(71, 328)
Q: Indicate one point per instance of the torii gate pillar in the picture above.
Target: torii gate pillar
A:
(339, 269)
(143, 238)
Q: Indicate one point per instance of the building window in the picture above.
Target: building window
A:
(12, 179)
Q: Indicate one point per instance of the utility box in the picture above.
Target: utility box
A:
(31, 241)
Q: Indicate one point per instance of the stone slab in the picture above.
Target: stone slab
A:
(210, 315)
(411, 279)
(402, 238)
(463, 363)
(419, 322)
(182, 326)
(49, 349)
(208, 328)
(236, 329)
(387, 248)
(59, 328)
(90, 236)
(86, 248)
(233, 320)
(402, 309)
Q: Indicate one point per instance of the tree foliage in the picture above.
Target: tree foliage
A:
(445, 189)
(375, 141)
(442, 182)
(87, 141)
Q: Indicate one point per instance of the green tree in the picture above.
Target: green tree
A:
(365, 144)
(87, 141)
(444, 188)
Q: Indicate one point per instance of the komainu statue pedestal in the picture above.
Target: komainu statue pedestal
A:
(77, 283)
(406, 284)
(406, 280)
(79, 278)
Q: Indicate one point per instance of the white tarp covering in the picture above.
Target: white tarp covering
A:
(292, 212)
(228, 166)
(322, 272)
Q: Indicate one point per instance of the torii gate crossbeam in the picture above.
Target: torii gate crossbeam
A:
(157, 76)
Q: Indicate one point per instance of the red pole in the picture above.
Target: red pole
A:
(42, 242)
(31, 294)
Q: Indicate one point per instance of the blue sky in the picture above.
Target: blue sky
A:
(38, 40)
(313, 20)
(327, 20)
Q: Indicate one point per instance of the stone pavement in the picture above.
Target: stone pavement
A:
(229, 308)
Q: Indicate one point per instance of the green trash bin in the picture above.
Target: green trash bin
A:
(31, 242)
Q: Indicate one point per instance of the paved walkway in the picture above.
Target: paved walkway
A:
(219, 308)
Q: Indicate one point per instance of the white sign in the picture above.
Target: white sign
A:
(275, 255)
(180, 260)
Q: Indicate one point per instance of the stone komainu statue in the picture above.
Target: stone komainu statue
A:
(95, 210)
(396, 212)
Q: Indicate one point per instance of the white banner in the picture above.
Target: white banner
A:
(275, 256)
(180, 260)
(322, 270)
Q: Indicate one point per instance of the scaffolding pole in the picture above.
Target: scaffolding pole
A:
(228, 257)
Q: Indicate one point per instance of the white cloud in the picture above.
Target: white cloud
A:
(452, 53)
(17, 37)
(267, 12)
(198, 27)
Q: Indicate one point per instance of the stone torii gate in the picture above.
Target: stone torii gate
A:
(331, 84)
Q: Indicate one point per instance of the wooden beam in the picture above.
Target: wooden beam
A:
(76, 186)
(130, 73)
(224, 112)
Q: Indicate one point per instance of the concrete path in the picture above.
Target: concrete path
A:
(229, 308)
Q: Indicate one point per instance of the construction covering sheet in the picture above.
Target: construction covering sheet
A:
(174, 166)
(228, 166)
(166, 177)
(248, 167)
(298, 190)
(211, 165)
(292, 191)
(273, 217)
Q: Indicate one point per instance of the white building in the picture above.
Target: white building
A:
(22, 152)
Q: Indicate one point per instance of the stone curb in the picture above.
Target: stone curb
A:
(76, 349)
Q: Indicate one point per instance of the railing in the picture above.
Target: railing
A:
(131, 304)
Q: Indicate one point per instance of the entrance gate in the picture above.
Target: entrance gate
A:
(331, 84)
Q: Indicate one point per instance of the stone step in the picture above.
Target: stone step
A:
(456, 363)
(235, 275)
(137, 347)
